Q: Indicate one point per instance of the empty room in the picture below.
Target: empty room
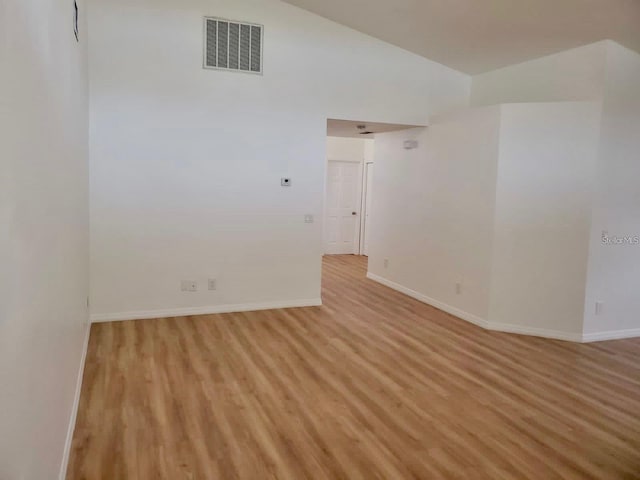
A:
(319, 239)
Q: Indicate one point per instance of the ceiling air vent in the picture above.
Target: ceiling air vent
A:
(230, 45)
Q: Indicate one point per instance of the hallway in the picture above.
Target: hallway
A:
(373, 384)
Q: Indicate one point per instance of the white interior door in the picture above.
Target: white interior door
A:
(342, 222)
(368, 195)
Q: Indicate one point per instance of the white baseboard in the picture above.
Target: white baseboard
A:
(74, 408)
(181, 312)
(503, 327)
(469, 317)
(611, 335)
(535, 332)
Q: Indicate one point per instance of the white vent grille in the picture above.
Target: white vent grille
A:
(230, 45)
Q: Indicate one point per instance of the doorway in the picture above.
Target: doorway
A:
(349, 186)
(345, 215)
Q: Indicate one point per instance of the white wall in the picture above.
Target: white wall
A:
(608, 73)
(44, 234)
(567, 171)
(546, 177)
(572, 75)
(614, 272)
(186, 162)
(434, 209)
(499, 200)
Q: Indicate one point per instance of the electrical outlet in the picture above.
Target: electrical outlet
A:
(599, 308)
(458, 288)
(213, 284)
(308, 219)
(386, 263)
(189, 286)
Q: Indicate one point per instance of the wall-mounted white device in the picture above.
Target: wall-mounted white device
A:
(189, 286)
(285, 181)
(410, 144)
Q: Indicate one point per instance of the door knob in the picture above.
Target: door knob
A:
(354, 213)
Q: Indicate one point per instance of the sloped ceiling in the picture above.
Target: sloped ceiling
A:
(475, 36)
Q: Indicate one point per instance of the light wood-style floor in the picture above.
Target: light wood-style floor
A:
(373, 385)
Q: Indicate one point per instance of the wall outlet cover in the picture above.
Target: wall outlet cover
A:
(599, 308)
(189, 286)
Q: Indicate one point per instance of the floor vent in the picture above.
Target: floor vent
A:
(231, 45)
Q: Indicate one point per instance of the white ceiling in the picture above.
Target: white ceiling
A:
(476, 36)
(349, 128)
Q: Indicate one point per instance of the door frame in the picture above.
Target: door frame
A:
(363, 206)
(358, 229)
